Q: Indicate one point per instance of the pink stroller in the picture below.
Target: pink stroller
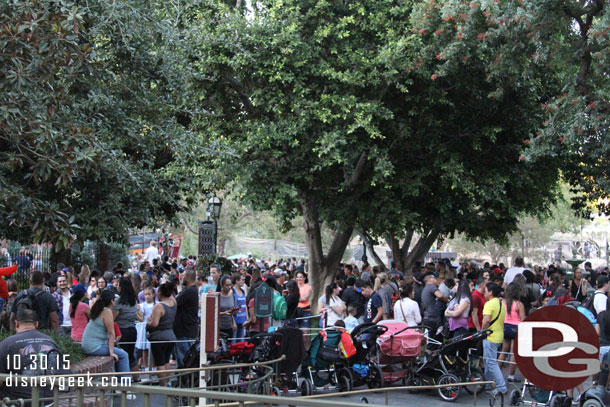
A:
(399, 350)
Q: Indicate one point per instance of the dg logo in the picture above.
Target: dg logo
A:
(557, 348)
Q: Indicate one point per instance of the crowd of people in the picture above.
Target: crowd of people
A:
(151, 312)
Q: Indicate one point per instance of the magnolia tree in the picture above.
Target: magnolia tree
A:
(88, 124)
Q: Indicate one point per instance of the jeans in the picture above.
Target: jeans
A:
(492, 370)
(65, 330)
(305, 323)
(122, 365)
(602, 352)
(240, 333)
(181, 348)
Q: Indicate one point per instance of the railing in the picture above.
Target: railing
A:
(96, 388)
(97, 396)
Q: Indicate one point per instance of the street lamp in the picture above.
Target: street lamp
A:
(208, 230)
(214, 206)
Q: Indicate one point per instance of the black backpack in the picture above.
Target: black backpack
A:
(28, 299)
(588, 304)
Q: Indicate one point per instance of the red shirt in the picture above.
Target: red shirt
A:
(478, 301)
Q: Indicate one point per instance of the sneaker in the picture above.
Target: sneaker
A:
(131, 396)
(513, 379)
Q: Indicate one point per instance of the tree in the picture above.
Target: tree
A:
(336, 112)
(89, 129)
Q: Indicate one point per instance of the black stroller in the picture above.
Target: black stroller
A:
(292, 347)
(447, 365)
(363, 368)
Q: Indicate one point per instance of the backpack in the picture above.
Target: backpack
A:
(589, 303)
(280, 307)
(28, 299)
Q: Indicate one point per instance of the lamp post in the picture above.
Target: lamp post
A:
(208, 230)
(214, 207)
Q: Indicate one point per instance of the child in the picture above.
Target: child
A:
(351, 322)
(145, 309)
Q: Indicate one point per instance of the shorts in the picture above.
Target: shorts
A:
(510, 331)
(161, 352)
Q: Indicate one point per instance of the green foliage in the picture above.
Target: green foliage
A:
(89, 135)
(302, 93)
(204, 263)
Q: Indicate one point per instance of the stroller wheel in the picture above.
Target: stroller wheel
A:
(449, 393)
(476, 375)
(306, 388)
(346, 374)
(592, 403)
(375, 379)
(513, 397)
(344, 384)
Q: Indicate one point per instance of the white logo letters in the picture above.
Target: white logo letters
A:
(568, 344)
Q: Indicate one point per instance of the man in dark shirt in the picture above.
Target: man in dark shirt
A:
(44, 304)
(373, 310)
(24, 353)
(186, 327)
(352, 296)
(430, 298)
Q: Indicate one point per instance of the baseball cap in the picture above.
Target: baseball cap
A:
(79, 288)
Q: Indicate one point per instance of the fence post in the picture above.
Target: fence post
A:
(35, 396)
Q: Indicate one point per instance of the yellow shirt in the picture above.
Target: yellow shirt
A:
(492, 308)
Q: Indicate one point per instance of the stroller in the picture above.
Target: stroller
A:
(539, 397)
(363, 367)
(225, 354)
(399, 350)
(292, 347)
(267, 346)
(321, 364)
(447, 365)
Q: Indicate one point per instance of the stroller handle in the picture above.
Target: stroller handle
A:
(409, 327)
(380, 329)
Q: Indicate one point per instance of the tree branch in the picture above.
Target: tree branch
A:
(186, 224)
(356, 176)
(404, 250)
(368, 242)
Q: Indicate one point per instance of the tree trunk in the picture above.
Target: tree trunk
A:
(322, 268)
(104, 257)
(420, 249)
(394, 244)
(404, 252)
(221, 247)
(370, 247)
